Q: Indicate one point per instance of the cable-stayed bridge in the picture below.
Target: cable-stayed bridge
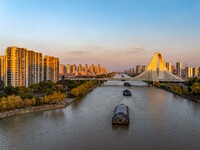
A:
(157, 71)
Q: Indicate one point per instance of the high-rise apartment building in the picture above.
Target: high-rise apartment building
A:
(179, 68)
(195, 72)
(62, 69)
(99, 69)
(68, 69)
(51, 68)
(169, 66)
(80, 68)
(86, 68)
(132, 71)
(16, 66)
(22, 67)
(73, 69)
(2, 68)
(92, 69)
(143, 68)
(199, 72)
(188, 72)
(104, 71)
(173, 69)
(34, 67)
(138, 69)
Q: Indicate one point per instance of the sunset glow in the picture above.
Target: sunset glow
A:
(117, 34)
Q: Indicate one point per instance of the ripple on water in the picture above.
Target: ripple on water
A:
(158, 120)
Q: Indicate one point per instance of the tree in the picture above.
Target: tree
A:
(75, 92)
(9, 90)
(3, 94)
(185, 91)
(38, 101)
(156, 84)
(21, 90)
(196, 88)
(63, 78)
(3, 104)
(176, 89)
(35, 88)
(26, 96)
(59, 88)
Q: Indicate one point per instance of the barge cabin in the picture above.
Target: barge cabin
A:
(121, 115)
(127, 93)
(127, 84)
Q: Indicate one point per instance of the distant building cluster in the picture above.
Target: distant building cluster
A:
(82, 70)
(186, 73)
(22, 67)
(136, 71)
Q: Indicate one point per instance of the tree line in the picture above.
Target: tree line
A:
(190, 88)
(82, 89)
(15, 102)
(45, 92)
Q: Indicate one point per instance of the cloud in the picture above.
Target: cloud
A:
(136, 50)
(94, 48)
(79, 52)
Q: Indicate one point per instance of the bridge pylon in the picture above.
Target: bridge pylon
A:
(157, 71)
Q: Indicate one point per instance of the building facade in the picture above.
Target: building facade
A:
(138, 69)
(179, 69)
(22, 67)
(68, 69)
(199, 72)
(62, 69)
(169, 66)
(195, 72)
(2, 68)
(51, 68)
(188, 72)
(144, 68)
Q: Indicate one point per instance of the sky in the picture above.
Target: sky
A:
(118, 34)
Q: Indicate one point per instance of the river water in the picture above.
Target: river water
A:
(158, 120)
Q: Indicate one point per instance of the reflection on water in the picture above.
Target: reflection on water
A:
(158, 120)
(156, 103)
(120, 127)
(57, 114)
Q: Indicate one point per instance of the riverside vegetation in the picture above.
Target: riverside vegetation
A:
(42, 94)
(190, 89)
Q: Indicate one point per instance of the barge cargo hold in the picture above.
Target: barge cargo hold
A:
(121, 115)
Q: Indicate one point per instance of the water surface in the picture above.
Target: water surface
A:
(158, 120)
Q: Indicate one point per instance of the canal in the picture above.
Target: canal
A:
(158, 120)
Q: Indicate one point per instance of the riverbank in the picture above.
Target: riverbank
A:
(63, 104)
(66, 102)
(181, 95)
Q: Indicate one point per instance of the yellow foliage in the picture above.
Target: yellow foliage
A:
(157, 84)
(80, 90)
(53, 98)
(13, 102)
(176, 88)
(196, 87)
(75, 92)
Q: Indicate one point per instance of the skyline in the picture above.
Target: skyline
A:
(115, 34)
